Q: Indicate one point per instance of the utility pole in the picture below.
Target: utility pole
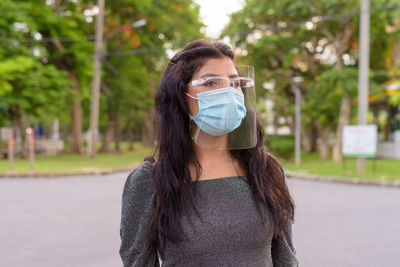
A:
(297, 81)
(94, 107)
(363, 72)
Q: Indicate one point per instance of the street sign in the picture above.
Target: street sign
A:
(360, 140)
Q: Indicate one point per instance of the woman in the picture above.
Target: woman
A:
(214, 196)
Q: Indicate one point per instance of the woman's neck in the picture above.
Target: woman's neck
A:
(216, 163)
(206, 154)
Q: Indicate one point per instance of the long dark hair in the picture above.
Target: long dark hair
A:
(175, 153)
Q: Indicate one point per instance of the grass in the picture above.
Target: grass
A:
(72, 163)
(376, 169)
(381, 169)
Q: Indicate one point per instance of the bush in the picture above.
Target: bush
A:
(281, 145)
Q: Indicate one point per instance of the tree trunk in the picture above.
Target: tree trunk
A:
(75, 101)
(108, 135)
(309, 137)
(19, 125)
(313, 135)
(391, 113)
(129, 130)
(275, 119)
(324, 140)
(305, 139)
(148, 129)
(76, 115)
(344, 118)
(290, 122)
(324, 144)
(117, 132)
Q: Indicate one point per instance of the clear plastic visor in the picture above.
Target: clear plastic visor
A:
(226, 110)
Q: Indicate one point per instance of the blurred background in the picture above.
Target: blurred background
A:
(77, 83)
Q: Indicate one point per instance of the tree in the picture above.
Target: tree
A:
(28, 86)
(65, 20)
(315, 40)
(137, 34)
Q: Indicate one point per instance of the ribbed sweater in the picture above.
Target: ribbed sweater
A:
(229, 231)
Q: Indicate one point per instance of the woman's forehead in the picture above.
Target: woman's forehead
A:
(217, 66)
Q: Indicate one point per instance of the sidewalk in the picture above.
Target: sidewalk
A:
(356, 181)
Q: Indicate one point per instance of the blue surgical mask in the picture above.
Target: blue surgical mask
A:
(220, 111)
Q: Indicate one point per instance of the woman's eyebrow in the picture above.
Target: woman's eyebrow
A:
(213, 75)
(209, 74)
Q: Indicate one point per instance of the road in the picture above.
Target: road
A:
(346, 225)
(70, 221)
(74, 221)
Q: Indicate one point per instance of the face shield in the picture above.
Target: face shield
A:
(226, 110)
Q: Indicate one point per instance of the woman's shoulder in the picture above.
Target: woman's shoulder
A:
(138, 183)
(140, 172)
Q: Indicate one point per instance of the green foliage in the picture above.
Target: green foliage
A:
(395, 99)
(28, 86)
(281, 145)
(38, 90)
(47, 50)
(136, 56)
(8, 67)
(280, 40)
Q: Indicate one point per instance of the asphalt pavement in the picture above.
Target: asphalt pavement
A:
(74, 221)
(346, 225)
(71, 221)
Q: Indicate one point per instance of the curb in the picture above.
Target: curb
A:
(67, 174)
(343, 180)
(289, 174)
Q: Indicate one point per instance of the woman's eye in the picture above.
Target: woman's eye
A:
(209, 84)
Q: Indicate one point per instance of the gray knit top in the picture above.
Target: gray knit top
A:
(230, 232)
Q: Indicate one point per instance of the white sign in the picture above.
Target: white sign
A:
(5, 133)
(359, 140)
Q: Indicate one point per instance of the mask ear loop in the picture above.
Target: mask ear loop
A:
(190, 116)
(192, 96)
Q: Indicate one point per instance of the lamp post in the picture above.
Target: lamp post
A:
(94, 107)
(297, 81)
(363, 72)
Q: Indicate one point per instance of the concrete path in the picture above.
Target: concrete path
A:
(74, 221)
